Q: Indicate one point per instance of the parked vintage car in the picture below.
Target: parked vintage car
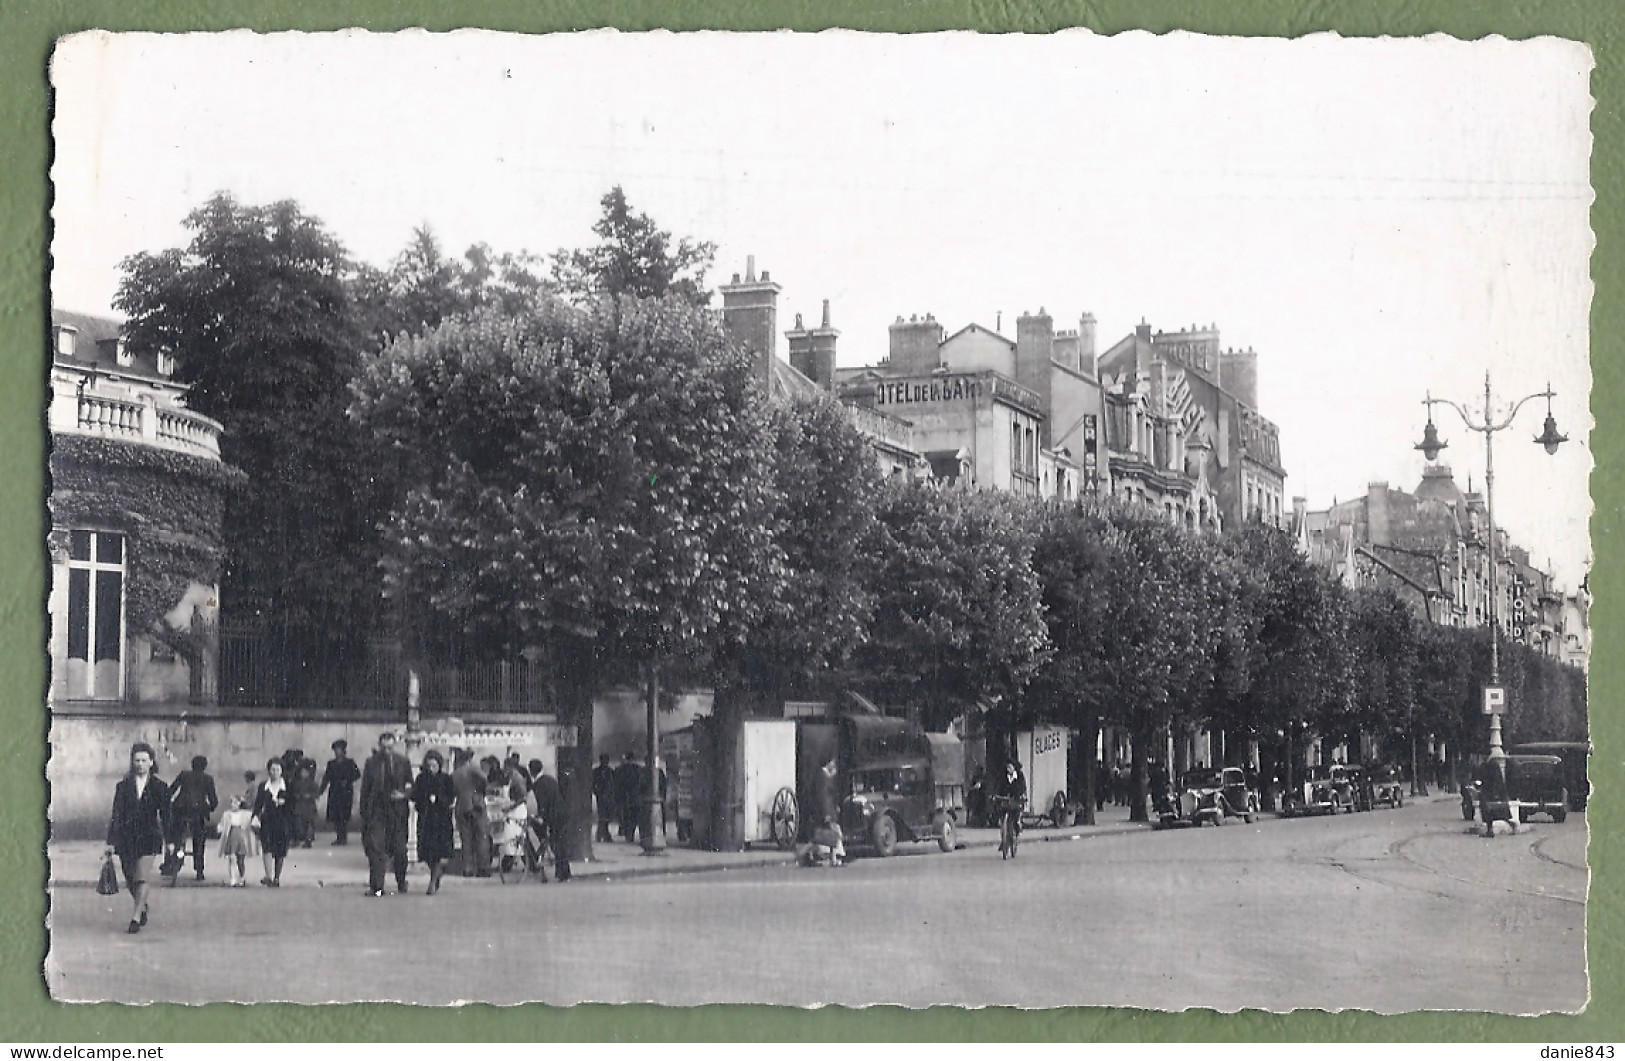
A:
(1360, 786)
(1324, 790)
(1535, 784)
(1386, 787)
(891, 790)
(1210, 795)
(1574, 755)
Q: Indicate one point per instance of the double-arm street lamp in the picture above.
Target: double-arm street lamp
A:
(1488, 425)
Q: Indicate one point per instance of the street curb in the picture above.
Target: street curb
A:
(635, 872)
(1033, 835)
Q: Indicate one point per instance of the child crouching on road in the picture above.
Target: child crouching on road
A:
(237, 841)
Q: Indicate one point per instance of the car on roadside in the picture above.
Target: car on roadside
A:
(1323, 790)
(890, 786)
(1210, 795)
(1361, 789)
(894, 804)
(1574, 755)
(1535, 784)
(1386, 787)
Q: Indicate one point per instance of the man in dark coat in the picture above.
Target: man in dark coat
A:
(827, 812)
(469, 784)
(550, 809)
(192, 801)
(338, 781)
(628, 794)
(603, 796)
(386, 784)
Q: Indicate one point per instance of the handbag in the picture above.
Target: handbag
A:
(107, 883)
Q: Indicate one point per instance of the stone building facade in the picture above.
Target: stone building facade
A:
(137, 496)
(1186, 433)
(1430, 546)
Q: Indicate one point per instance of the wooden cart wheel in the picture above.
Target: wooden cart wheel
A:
(785, 819)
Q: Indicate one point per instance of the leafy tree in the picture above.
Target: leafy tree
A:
(958, 616)
(506, 282)
(423, 286)
(826, 484)
(1298, 673)
(1235, 592)
(1383, 664)
(1551, 697)
(258, 316)
(1074, 556)
(1157, 650)
(590, 485)
(634, 257)
(1452, 666)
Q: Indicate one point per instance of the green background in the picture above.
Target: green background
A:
(27, 1014)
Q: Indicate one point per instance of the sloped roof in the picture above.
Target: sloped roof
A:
(91, 328)
(1419, 568)
(787, 381)
(95, 343)
(974, 327)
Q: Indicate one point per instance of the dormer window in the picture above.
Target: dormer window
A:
(166, 363)
(121, 354)
(66, 340)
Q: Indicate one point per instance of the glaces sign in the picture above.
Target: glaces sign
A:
(937, 389)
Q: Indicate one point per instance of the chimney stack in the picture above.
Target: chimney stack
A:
(916, 344)
(750, 316)
(1035, 345)
(812, 352)
(1086, 345)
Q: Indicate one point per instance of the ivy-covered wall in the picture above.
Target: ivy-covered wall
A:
(169, 506)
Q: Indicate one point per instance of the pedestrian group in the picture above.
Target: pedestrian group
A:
(519, 806)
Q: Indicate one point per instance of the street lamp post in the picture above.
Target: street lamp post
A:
(654, 823)
(1430, 446)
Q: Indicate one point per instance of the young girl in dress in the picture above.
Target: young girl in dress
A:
(237, 841)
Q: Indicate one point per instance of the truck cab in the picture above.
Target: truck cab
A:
(886, 782)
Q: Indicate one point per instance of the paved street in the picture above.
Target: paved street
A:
(1388, 911)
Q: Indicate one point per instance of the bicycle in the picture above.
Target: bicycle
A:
(1009, 811)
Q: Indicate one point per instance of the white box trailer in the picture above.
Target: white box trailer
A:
(1043, 755)
(768, 750)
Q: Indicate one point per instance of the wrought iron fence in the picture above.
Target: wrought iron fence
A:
(260, 669)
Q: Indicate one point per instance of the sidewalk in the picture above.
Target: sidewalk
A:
(75, 864)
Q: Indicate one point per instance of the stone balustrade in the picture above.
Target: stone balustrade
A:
(167, 427)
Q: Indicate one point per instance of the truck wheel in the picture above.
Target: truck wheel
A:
(945, 837)
(885, 836)
(1560, 813)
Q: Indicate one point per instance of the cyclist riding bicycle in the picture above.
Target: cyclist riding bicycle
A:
(1010, 797)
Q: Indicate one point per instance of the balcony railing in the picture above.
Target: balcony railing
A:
(170, 427)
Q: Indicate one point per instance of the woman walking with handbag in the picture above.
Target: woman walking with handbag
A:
(136, 831)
